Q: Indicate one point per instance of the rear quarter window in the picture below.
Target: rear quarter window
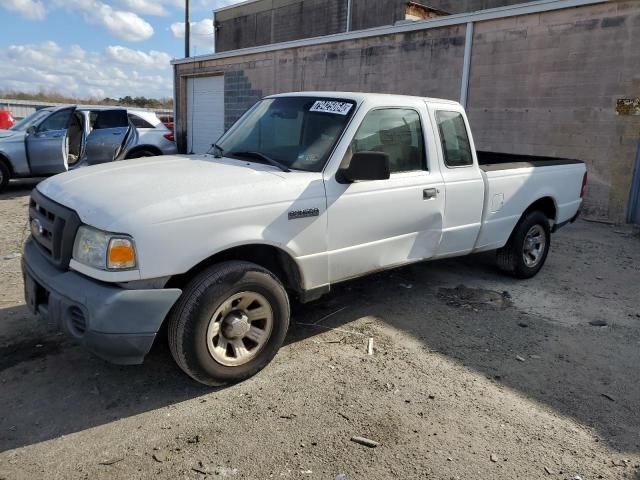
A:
(454, 139)
(139, 122)
(109, 119)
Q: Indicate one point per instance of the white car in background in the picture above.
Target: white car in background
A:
(154, 138)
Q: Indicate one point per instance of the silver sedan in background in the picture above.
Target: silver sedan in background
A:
(57, 139)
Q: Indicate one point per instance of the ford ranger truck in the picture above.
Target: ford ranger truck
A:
(304, 191)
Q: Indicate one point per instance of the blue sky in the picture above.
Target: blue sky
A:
(98, 47)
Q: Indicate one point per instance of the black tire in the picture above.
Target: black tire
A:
(5, 175)
(142, 153)
(511, 258)
(190, 318)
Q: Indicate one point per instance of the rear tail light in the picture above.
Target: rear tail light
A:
(169, 136)
(584, 184)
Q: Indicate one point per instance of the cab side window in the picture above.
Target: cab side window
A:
(454, 139)
(396, 132)
(56, 121)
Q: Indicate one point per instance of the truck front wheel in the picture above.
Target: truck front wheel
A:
(229, 323)
(526, 251)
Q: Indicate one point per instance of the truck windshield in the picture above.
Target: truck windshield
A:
(297, 132)
(32, 119)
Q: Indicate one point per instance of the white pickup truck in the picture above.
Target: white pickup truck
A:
(306, 190)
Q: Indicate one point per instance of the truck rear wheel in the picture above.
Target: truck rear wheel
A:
(229, 323)
(526, 251)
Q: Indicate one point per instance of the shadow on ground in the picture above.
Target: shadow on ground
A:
(51, 387)
(18, 188)
(584, 372)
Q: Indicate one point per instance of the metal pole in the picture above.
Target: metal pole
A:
(466, 68)
(187, 30)
(349, 13)
(633, 210)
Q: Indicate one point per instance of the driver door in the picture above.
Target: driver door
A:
(47, 143)
(379, 224)
(110, 138)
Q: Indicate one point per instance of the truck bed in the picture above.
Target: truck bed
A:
(509, 192)
(491, 161)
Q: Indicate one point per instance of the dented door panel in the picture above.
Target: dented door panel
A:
(47, 143)
(109, 135)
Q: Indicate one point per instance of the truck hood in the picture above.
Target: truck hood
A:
(122, 196)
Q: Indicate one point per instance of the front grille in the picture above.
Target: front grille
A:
(53, 228)
(78, 321)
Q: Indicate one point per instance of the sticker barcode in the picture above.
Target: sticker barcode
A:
(331, 106)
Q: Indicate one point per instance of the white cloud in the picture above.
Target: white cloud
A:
(145, 7)
(215, 4)
(201, 32)
(153, 59)
(76, 52)
(96, 93)
(31, 9)
(123, 24)
(116, 72)
(174, 3)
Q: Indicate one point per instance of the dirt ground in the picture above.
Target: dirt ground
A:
(474, 376)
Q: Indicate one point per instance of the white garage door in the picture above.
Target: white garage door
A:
(205, 112)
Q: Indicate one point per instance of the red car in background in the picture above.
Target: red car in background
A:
(6, 120)
(167, 119)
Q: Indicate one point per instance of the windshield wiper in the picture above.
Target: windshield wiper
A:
(217, 147)
(264, 157)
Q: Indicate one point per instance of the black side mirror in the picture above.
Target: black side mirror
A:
(32, 129)
(366, 166)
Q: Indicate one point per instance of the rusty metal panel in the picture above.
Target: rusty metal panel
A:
(417, 11)
(628, 106)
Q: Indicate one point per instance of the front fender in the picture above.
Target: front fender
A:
(16, 160)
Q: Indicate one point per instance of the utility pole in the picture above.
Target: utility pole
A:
(187, 30)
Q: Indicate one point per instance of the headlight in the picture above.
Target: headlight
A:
(103, 250)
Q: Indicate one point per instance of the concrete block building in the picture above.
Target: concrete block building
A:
(546, 77)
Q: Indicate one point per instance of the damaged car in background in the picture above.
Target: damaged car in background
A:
(57, 139)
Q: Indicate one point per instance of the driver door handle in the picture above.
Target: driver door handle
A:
(429, 193)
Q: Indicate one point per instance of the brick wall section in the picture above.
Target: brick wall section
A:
(426, 63)
(291, 21)
(421, 63)
(543, 84)
(310, 18)
(272, 22)
(375, 13)
(547, 84)
(461, 6)
(242, 31)
(239, 96)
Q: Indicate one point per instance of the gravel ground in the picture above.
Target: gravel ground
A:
(473, 376)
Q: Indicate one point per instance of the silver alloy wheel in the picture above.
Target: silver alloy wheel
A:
(239, 329)
(535, 242)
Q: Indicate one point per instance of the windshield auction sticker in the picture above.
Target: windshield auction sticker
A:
(331, 106)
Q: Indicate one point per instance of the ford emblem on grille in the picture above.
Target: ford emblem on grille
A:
(36, 228)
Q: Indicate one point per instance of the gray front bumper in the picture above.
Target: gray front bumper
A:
(116, 324)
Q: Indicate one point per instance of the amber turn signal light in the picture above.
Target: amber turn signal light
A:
(121, 254)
